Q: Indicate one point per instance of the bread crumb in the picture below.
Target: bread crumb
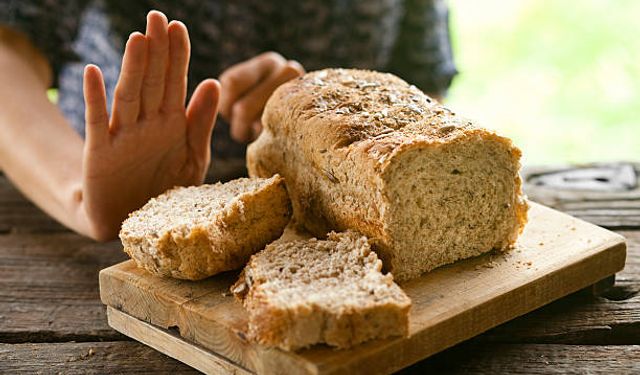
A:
(541, 243)
(91, 351)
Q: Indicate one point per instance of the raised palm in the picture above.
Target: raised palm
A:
(151, 142)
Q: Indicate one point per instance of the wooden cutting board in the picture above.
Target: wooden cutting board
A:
(200, 324)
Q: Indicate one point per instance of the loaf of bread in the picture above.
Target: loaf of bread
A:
(306, 292)
(366, 151)
(195, 232)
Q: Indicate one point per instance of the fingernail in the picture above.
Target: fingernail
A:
(296, 65)
(90, 66)
(159, 13)
(177, 22)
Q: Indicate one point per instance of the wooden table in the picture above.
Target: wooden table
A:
(52, 320)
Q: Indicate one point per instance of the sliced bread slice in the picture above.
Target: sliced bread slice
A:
(306, 292)
(195, 232)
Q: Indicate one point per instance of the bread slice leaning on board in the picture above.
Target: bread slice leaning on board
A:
(195, 232)
(366, 151)
(305, 292)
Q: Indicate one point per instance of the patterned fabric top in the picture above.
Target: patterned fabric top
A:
(407, 37)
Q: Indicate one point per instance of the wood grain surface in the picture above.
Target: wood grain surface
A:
(17, 215)
(173, 345)
(123, 357)
(556, 255)
(48, 287)
(579, 333)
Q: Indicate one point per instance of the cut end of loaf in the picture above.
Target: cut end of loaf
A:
(451, 202)
(195, 232)
(307, 292)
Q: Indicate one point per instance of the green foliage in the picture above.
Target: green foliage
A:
(52, 95)
(560, 77)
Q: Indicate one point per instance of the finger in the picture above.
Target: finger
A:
(256, 129)
(201, 115)
(297, 66)
(249, 108)
(126, 100)
(158, 56)
(95, 101)
(238, 79)
(179, 51)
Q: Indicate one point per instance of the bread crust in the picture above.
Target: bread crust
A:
(337, 135)
(249, 222)
(277, 320)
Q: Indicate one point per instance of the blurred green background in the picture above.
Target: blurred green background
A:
(561, 78)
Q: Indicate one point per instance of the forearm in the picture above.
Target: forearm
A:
(39, 152)
(149, 144)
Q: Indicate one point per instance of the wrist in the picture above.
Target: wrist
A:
(90, 223)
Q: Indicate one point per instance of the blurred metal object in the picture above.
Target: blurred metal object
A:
(607, 177)
(606, 194)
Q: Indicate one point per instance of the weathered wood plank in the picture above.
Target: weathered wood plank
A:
(468, 358)
(577, 319)
(604, 194)
(47, 281)
(49, 287)
(18, 215)
(556, 255)
(48, 293)
(612, 318)
(631, 272)
(173, 345)
(483, 358)
(471, 357)
(87, 358)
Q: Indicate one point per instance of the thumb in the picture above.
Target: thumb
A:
(201, 115)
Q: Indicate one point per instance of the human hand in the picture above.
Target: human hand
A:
(151, 142)
(247, 86)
